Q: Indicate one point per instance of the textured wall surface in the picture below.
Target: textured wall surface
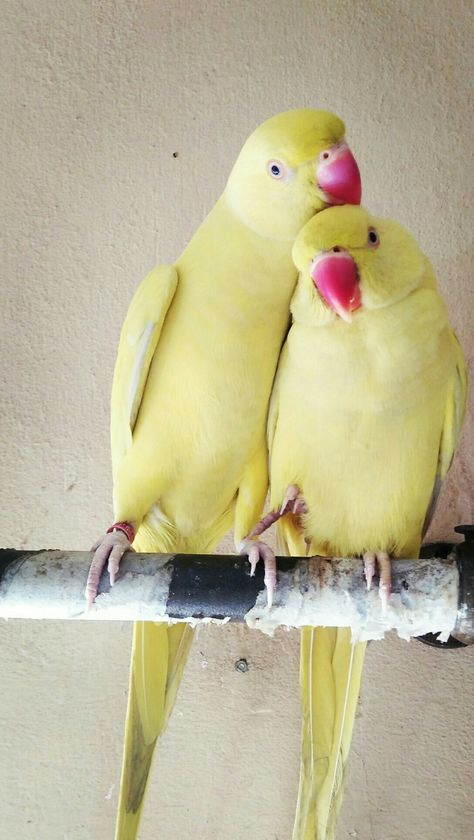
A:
(122, 121)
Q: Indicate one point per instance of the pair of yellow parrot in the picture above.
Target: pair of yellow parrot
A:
(353, 424)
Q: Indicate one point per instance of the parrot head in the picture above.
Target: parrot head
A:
(290, 168)
(349, 261)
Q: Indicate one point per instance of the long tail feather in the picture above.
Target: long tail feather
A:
(330, 677)
(159, 655)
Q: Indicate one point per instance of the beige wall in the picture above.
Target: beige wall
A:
(98, 96)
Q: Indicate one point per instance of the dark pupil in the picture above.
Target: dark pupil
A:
(275, 169)
(373, 236)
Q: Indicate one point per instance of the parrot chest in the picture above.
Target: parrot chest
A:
(364, 417)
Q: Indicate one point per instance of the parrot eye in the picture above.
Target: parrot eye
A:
(276, 169)
(373, 240)
(326, 154)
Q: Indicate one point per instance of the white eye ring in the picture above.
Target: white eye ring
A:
(373, 239)
(276, 169)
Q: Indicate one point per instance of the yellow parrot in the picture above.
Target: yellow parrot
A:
(366, 410)
(195, 367)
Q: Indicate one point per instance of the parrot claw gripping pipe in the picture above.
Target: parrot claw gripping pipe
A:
(107, 550)
(292, 503)
(255, 551)
(380, 559)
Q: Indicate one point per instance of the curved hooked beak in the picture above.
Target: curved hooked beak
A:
(338, 175)
(334, 273)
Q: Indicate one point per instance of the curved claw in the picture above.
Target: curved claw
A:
(293, 501)
(108, 549)
(257, 550)
(382, 560)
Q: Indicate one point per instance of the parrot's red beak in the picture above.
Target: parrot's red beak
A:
(334, 274)
(338, 175)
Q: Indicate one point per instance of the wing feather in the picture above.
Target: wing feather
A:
(453, 420)
(138, 342)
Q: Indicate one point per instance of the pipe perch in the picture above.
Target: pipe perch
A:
(434, 595)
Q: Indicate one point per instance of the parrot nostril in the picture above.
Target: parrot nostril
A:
(336, 249)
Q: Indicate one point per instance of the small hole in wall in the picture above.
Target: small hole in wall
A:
(175, 154)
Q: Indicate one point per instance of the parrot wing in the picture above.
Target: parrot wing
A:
(453, 420)
(455, 410)
(272, 421)
(272, 415)
(138, 341)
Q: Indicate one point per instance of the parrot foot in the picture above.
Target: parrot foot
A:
(256, 551)
(382, 560)
(264, 523)
(293, 502)
(108, 549)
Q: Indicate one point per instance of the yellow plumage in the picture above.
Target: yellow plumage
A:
(194, 371)
(364, 419)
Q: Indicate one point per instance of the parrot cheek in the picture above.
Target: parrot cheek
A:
(338, 175)
(335, 277)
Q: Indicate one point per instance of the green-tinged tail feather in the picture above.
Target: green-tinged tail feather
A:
(159, 654)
